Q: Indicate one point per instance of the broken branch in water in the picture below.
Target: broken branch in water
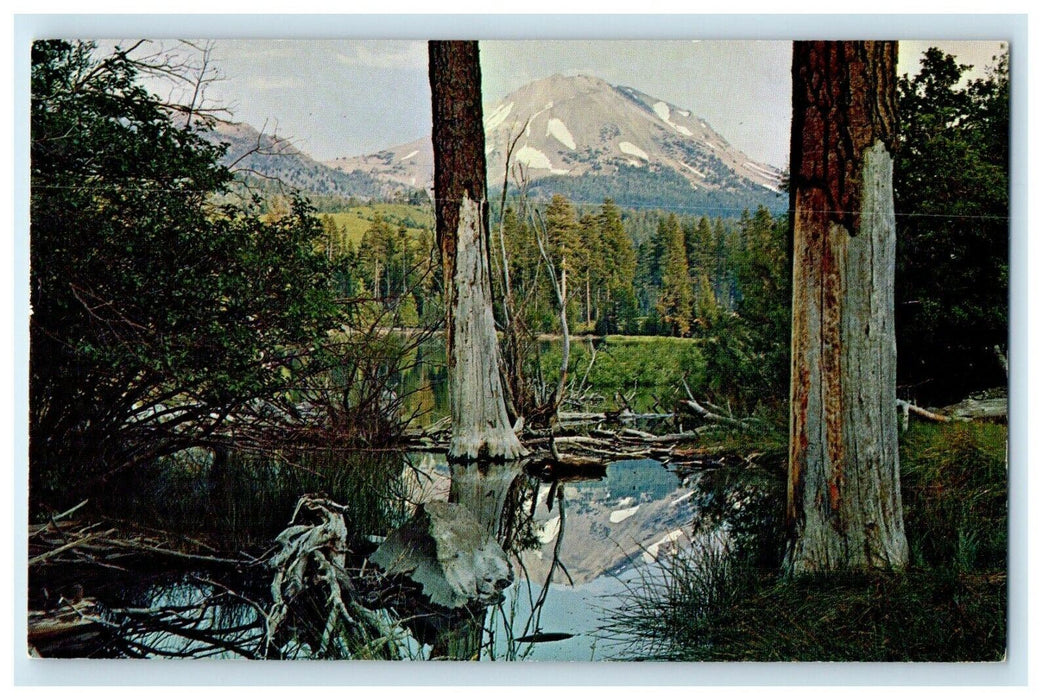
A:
(90, 544)
(708, 411)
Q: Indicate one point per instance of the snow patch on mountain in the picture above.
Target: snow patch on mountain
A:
(556, 128)
(411, 155)
(618, 516)
(662, 111)
(528, 124)
(668, 541)
(684, 113)
(499, 116)
(533, 158)
(760, 169)
(632, 150)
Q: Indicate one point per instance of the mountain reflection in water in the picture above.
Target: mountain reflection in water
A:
(576, 543)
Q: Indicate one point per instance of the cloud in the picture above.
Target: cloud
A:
(404, 55)
(274, 82)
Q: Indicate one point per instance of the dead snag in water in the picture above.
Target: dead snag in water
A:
(481, 427)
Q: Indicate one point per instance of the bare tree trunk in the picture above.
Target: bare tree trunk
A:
(553, 403)
(481, 428)
(844, 505)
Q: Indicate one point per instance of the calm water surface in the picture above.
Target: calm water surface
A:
(576, 545)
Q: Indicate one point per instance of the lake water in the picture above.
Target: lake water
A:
(575, 547)
(605, 532)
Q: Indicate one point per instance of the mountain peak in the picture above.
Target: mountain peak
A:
(581, 126)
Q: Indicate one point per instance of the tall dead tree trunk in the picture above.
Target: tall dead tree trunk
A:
(481, 428)
(844, 505)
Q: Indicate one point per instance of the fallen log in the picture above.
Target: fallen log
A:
(622, 416)
(566, 467)
(74, 625)
(707, 411)
(992, 409)
(908, 408)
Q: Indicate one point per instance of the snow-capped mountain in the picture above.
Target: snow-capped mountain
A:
(584, 134)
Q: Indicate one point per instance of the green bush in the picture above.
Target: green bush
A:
(243, 500)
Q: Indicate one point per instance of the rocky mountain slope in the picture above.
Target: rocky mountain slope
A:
(270, 160)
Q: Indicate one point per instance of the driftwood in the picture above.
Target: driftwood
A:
(579, 444)
(63, 541)
(973, 408)
(310, 574)
(566, 467)
(624, 416)
(71, 626)
(707, 411)
(993, 409)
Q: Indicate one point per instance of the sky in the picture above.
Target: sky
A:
(336, 98)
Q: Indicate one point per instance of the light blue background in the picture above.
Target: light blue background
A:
(1012, 28)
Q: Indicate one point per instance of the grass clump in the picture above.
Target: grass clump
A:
(954, 479)
(950, 605)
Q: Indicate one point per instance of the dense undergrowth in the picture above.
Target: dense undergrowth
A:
(950, 605)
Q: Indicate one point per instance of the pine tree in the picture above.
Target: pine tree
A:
(619, 311)
(374, 255)
(563, 231)
(676, 299)
(952, 179)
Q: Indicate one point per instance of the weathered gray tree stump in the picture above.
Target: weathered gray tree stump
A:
(449, 553)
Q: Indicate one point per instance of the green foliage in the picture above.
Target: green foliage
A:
(650, 368)
(952, 204)
(668, 285)
(392, 268)
(750, 348)
(357, 219)
(156, 312)
(242, 501)
(675, 301)
(748, 498)
(917, 616)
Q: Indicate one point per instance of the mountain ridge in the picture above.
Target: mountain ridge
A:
(578, 136)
